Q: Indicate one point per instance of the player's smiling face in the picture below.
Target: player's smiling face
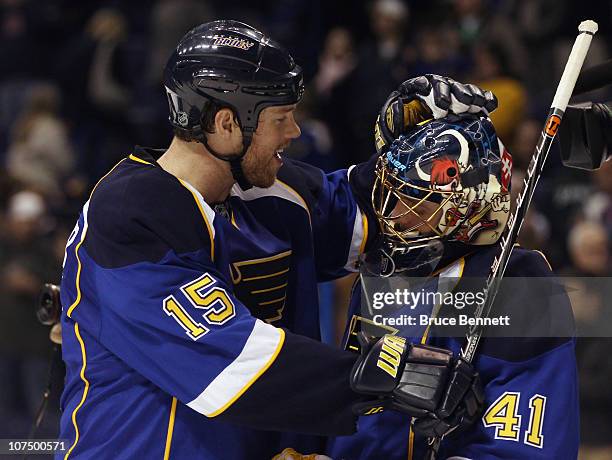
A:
(275, 131)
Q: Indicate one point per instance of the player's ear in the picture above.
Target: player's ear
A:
(225, 124)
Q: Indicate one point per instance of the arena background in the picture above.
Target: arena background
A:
(80, 84)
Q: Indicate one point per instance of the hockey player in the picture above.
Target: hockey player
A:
(190, 312)
(441, 198)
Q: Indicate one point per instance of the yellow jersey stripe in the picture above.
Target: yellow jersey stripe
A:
(203, 213)
(258, 291)
(139, 160)
(280, 299)
(78, 275)
(364, 220)
(410, 444)
(78, 246)
(170, 429)
(85, 390)
(266, 276)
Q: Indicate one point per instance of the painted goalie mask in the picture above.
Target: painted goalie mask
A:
(443, 181)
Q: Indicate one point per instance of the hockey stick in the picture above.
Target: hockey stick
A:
(586, 30)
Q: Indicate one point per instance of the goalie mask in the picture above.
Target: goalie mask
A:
(445, 181)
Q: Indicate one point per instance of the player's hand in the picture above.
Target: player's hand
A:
(426, 382)
(467, 411)
(443, 95)
(55, 335)
(426, 97)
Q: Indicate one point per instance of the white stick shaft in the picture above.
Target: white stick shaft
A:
(574, 63)
(564, 91)
(586, 31)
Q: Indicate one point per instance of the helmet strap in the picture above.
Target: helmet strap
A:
(235, 161)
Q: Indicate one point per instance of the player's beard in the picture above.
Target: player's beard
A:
(260, 167)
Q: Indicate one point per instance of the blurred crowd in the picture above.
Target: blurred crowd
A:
(81, 84)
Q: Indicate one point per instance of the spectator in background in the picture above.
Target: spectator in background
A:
(526, 136)
(168, 22)
(561, 196)
(536, 22)
(336, 61)
(16, 67)
(108, 28)
(334, 91)
(17, 41)
(535, 230)
(40, 155)
(95, 72)
(479, 21)
(589, 248)
(492, 71)
(437, 51)
(599, 205)
(354, 101)
(388, 21)
(314, 146)
(26, 262)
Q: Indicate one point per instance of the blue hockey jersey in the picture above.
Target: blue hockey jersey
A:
(530, 383)
(191, 334)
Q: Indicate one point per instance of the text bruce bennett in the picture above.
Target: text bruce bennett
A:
(426, 320)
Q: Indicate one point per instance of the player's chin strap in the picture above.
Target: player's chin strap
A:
(197, 133)
(235, 160)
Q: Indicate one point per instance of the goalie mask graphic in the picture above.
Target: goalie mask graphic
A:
(444, 181)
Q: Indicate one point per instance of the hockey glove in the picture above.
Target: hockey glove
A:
(462, 412)
(426, 97)
(428, 383)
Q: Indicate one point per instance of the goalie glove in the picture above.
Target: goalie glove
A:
(443, 393)
(422, 98)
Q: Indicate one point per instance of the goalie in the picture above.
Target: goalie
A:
(441, 199)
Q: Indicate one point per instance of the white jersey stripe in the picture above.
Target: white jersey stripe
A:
(259, 352)
(278, 189)
(356, 241)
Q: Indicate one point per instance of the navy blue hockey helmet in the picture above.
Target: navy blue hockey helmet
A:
(235, 65)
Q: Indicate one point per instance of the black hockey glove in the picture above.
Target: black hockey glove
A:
(428, 383)
(422, 98)
(455, 412)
